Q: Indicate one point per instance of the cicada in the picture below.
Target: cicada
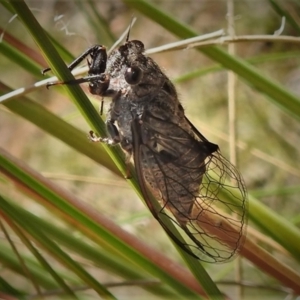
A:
(197, 189)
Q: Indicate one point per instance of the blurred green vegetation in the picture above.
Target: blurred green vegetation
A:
(47, 131)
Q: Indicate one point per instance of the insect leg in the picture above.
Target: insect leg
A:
(96, 139)
(89, 78)
(115, 139)
(112, 131)
(78, 60)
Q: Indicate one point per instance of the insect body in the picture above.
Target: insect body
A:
(200, 191)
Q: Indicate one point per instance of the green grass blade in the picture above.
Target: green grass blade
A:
(99, 257)
(21, 59)
(58, 66)
(10, 261)
(13, 219)
(253, 60)
(282, 230)
(58, 128)
(56, 251)
(8, 289)
(99, 233)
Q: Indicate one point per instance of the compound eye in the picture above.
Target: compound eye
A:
(133, 75)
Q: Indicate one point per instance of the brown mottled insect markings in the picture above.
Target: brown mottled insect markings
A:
(200, 191)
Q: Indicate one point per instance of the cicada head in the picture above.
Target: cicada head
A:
(131, 72)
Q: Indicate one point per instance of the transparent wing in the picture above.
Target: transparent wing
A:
(197, 188)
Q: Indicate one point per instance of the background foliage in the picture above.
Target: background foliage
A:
(63, 244)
